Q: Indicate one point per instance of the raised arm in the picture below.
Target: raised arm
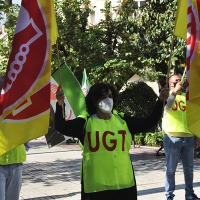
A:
(72, 128)
(139, 125)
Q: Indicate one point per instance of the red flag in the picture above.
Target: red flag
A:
(25, 97)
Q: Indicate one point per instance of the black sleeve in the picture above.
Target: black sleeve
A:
(71, 128)
(139, 125)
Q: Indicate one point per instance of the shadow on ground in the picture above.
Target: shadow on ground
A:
(55, 196)
(49, 173)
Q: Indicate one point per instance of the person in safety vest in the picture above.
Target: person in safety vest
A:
(11, 169)
(178, 140)
(106, 137)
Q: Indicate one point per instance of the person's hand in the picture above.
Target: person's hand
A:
(197, 143)
(60, 96)
(164, 94)
(177, 88)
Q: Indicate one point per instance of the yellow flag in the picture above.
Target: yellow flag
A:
(193, 68)
(180, 28)
(25, 96)
(49, 12)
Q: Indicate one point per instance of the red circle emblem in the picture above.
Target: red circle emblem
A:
(53, 91)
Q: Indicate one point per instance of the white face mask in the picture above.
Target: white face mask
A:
(106, 105)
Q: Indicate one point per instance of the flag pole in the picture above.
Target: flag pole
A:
(169, 64)
(183, 74)
(59, 72)
(168, 69)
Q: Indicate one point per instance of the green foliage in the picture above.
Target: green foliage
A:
(10, 24)
(149, 139)
(138, 99)
(75, 37)
(155, 36)
(135, 41)
(152, 139)
(2, 7)
(139, 139)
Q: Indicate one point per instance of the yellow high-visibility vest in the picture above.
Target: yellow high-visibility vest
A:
(175, 118)
(106, 160)
(16, 155)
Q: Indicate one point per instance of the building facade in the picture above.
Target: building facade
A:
(99, 4)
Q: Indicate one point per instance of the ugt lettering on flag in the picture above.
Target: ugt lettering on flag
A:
(25, 97)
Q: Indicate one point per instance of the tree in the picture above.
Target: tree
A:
(155, 41)
(116, 48)
(10, 24)
(138, 100)
(136, 41)
(101, 48)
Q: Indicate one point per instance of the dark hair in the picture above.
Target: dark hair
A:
(173, 75)
(95, 93)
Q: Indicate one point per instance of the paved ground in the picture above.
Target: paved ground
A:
(54, 173)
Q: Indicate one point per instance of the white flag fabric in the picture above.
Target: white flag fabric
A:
(85, 83)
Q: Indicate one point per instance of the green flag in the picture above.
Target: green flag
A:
(71, 88)
(74, 102)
